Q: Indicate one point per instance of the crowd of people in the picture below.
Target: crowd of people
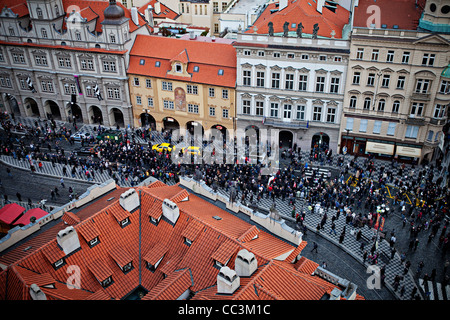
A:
(358, 191)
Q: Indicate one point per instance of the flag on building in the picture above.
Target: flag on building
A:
(30, 85)
(97, 93)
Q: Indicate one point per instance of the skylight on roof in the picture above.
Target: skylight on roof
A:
(196, 68)
(142, 62)
(157, 64)
(220, 72)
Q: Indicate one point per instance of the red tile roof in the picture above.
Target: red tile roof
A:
(208, 57)
(303, 11)
(182, 266)
(403, 13)
(165, 13)
(10, 212)
(70, 218)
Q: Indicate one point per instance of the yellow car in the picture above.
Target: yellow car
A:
(163, 146)
(192, 150)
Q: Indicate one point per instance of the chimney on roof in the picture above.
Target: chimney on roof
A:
(213, 38)
(227, 281)
(245, 263)
(170, 211)
(149, 15)
(36, 293)
(320, 4)
(134, 15)
(192, 35)
(129, 200)
(282, 4)
(157, 7)
(68, 240)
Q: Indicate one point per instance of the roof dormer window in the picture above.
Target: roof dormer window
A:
(107, 282)
(125, 222)
(93, 242)
(178, 67)
(58, 264)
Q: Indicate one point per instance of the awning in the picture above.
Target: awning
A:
(382, 148)
(409, 152)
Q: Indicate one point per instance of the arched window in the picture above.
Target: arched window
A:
(353, 102)
(367, 102)
(396, 106)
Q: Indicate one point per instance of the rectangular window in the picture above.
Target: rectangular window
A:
(148, 83)
(276, 55)
(412, 132)
(215, 7)
(192, 89)
(261, 53)
(371, 80)
(375, 53)
(363, 125)
(246, 106)
(193, 108)
(445, 87)
(136, 81)
(259, 110)
(225, 113)
(168, 104)
(317, 113)
(416, 109)
(211, 92)
(334, 87)
(356, 77)
(287, 110)
(274, 110)
(376, 127)
(260, 78)
(290, 56)
(405, 57)
(385, 81)
(276, 80)
(439, 111)
(390, 56)
(301, 112)
(391, 129)
(289, 81)
(302, 82)
(305, 57)
(422, 85)
(331, 115)
(401, 82)
(320, 84)
(247, 77)
(116, 93)
(349, 124)
(224, 93)
(167, 86)
(150, 102)
(428, 59)
(138, 100)
(87, 64)
(247, 52)
(212, 111)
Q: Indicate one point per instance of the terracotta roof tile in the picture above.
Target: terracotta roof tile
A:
(249, 235)
(88, 230)
(156, 253)
(118, 212)
(70, 218)
(193, 229)
(225, 251)
(181, 57)
(305, 265)
(53, 252)
(172, 287)
(296, 251)
(121, 256)
(180, 196)
(99, 295)
(100, 270)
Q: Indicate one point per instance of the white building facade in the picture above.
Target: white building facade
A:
(294, 86)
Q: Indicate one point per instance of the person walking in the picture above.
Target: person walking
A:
(62, 182)
(314, 247)
(333, 228)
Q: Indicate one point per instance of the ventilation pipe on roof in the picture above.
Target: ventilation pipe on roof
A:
(68, 240)
(149, 15)
(192, 35)
(134, 15)
(170, 211)
(129, 200)
(36, 293)
(245, 263)
(213, 38)
(320, 4)
(157, 7)
(227, 281)
(282, 4)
